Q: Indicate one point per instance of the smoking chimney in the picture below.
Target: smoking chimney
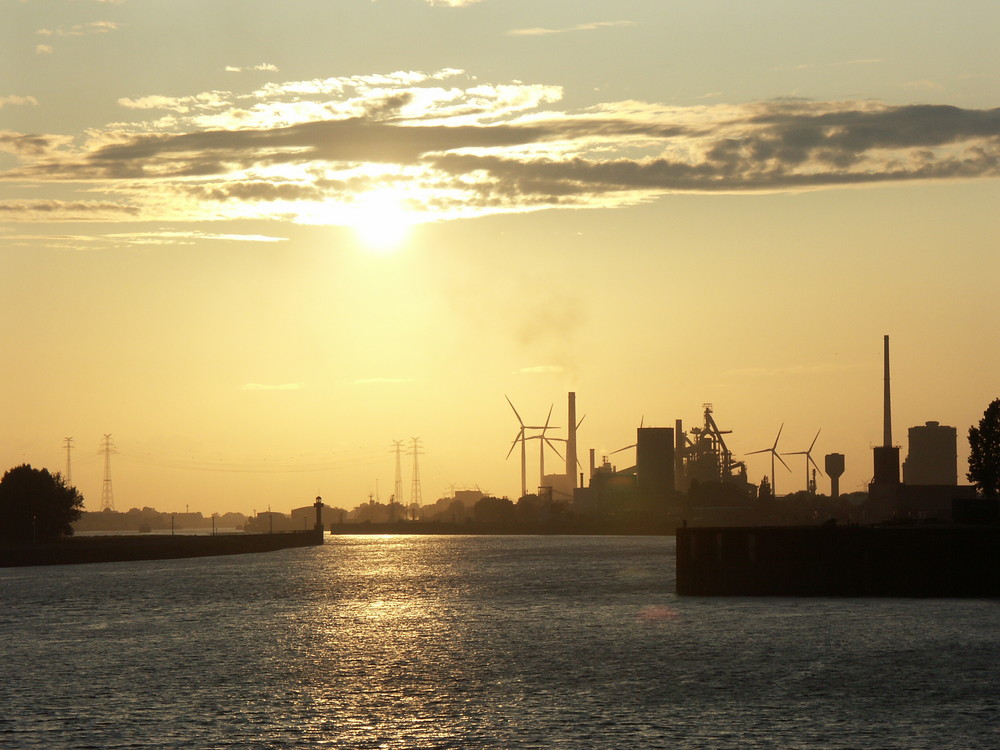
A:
(571, 442)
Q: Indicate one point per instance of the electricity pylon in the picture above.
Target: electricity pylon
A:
(415, 498)
(107, 496)
(398, 488)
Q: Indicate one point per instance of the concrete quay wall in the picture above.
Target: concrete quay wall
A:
(950, 561)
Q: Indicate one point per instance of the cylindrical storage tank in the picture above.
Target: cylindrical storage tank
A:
(933, 455)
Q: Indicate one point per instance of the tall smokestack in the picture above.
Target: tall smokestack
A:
(571, 442)
(887, 416)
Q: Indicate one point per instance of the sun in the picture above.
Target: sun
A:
(381, 220)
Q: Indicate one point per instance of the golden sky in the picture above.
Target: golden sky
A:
(258, 242)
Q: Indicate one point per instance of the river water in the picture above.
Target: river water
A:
(477, 642)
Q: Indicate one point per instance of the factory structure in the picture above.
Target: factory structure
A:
(683, 475)
(928, 487)
(674, 470)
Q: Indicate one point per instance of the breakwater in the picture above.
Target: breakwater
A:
(94, 549)
(949, 561)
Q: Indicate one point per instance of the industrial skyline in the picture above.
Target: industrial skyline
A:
(257, 254)
(927, 445)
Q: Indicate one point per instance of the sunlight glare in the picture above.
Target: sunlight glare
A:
(381, 220)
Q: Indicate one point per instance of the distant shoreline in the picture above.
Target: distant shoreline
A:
(95, 549)
(474, 528)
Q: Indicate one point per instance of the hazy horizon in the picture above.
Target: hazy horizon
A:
(257, 243)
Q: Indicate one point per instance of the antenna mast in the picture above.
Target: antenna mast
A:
(107, 496)
(69, 463)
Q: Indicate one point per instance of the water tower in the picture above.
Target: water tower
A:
(834, 466)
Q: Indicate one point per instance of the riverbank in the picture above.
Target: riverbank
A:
(94, 549)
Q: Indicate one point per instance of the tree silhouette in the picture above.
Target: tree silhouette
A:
(498, 510)
(36, 505)
(984, 451)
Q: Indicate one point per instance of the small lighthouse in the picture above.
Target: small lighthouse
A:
(318, 505)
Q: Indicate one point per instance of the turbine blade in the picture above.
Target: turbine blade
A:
(521, 421)
(622, 449)
(778, 456)
(775, 446)
(549, 443)
(512, 446)
(814, 441)
(813, 462)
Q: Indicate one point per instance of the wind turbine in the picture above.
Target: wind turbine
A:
(773, 450)
(543, 439)
(809, 458)
(520, 438)
(549, 441)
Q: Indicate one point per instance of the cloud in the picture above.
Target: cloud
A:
(62, 210)
(43, 49)
(267, 67)
(453, 3)
(31, 146)
(265, 387)
(305, 151)
(17, 100)
(119, 239)
(187, 238)
(83, 29)
(536, 31)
